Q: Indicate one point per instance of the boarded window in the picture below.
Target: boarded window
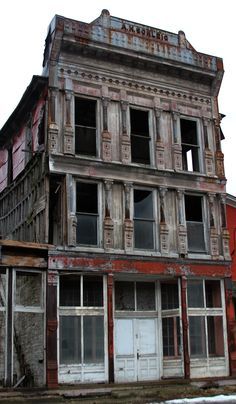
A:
(87, 213)
(28, 291)
(85, 127)
(140, 139)
(194, 223)
(143, 219)
(190, 146)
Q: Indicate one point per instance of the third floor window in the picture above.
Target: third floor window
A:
(85, 127)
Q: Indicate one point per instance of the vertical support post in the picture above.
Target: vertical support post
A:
(224, 232)
(108, 222)
(68, 129)
(207, 152)
(214, 238)
(219, 155)
(125, 138)
(164, 232)
(160, 158)
(110, 285)
(176, 146)
(185, 327)
(182, 231)
(9, 325)
(51, 329)
(106, 136)
(128, 223)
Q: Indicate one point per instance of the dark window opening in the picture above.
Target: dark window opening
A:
(213, 294)
(70, 290)
(87, 213)
(195, 294)
(194, 223)
(85, 127)
(143, 220)
(124, 296)
(9, 166)
(215, 336)
(190, 146)
(92, 291)
(55, 211)
(139, 296)
(145, 295)
(169, 296)
(171, 336)
(140, 139)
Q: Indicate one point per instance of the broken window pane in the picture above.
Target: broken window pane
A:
(169, 296)
(87, 213)
(171, 336)
(28, 343)
(140, 139)
(28, 290)
(190, 147)
(215, 336)
(70, 339)
(197, 336)
(93, 339)
(85, 127)
(92, 291)
(124, 296)
(145, 294)
(213, 293)
(195, 294)
(194, 223)
(143, 219)
(70, 290)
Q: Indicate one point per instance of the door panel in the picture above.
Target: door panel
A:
(136, 353)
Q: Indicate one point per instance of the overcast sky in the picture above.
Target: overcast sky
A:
(209, 26)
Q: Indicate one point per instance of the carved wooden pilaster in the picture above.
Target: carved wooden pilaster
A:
(164, 231)
(182, 231)
(225, 232)
(68, 128)
(106, 136)
(53, 143)
(176, 146)
(72, 230)
(160, 158)
(108, 225)
(125, 138)
(214, 237)
(219, 156)
(207, 152)
(128, 223)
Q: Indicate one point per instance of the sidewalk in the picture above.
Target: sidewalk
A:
(121, 393)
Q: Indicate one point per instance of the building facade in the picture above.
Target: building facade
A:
(113, 160)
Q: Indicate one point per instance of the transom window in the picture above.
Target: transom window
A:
(135, 296)
(140, 137)
(85, 127)
(190, 145)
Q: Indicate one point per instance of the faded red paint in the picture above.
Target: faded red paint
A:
(110, 327)
(231, 224)
(185, 327)
(141, 266)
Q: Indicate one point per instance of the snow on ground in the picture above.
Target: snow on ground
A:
(203, 400)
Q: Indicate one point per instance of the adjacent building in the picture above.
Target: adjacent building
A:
(113, 187)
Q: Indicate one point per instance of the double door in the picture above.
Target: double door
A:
(136, 349)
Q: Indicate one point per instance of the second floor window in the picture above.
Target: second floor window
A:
(195, 223)
(140, 137)
(85, 127)
(87, 213)
(190, 145)
(143, 219)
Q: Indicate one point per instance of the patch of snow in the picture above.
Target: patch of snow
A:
(202, 400)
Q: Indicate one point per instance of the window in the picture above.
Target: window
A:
(85, 127)
(143, 219)
(81, 320)
(190, 145)
(205, 318)
(87, 213)
(140, 137)
(194, 223)
(170, 319)
(135, 296)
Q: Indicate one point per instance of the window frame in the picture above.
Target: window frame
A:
(99, 213)
(205, 312)
(150, 136)
(97, 128)
(199, 144)
(204, 222)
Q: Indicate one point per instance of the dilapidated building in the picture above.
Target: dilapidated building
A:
(112, 181)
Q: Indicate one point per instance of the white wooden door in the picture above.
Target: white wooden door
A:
(136, 350)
